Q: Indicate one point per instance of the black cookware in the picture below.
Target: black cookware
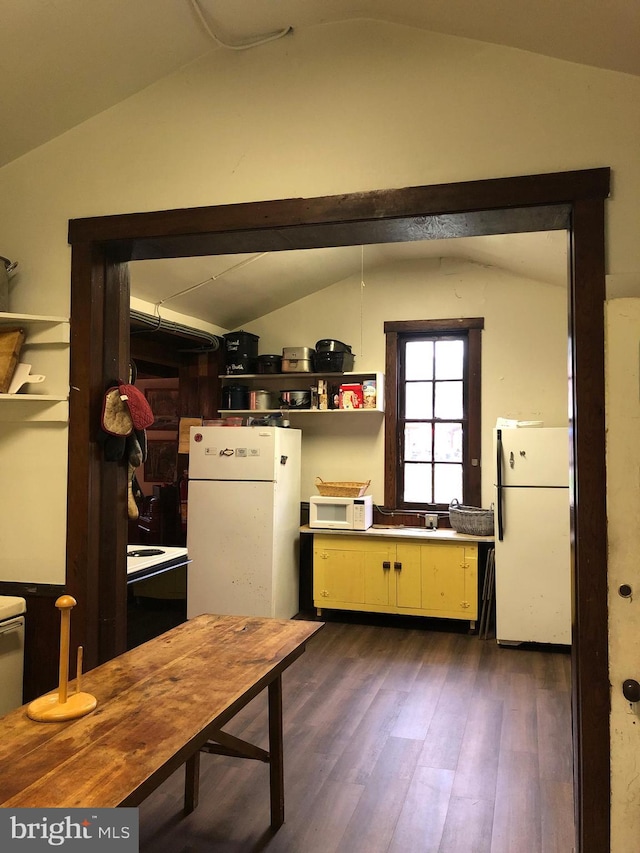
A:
(300, 399)
(235, 397)
(331, 345)
(269, 364)
(333, 362)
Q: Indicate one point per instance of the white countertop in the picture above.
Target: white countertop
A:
(397, 532)
(10, 606)
(148, 565)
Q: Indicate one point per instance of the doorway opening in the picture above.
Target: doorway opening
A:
(101, 250)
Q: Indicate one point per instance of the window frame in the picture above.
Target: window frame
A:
(396, 334)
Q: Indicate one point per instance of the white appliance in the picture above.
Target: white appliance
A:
(244, 521)
(532, 546)
(12, 609)
(341, 513)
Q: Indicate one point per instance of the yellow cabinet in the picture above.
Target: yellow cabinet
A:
(351, 573)
(418, 578)
(449, 579)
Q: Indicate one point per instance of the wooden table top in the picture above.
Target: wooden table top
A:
(155, 705)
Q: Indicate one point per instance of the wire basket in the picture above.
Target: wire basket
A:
(471, 519)
(341, 489)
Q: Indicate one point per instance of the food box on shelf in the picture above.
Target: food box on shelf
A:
(369, 393)
(351, 397)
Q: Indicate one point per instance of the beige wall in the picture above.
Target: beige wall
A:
(335, 109)
(623, 491)
(524, 347)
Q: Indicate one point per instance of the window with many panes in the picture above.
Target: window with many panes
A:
(432, 413)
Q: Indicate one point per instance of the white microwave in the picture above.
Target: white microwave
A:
(341, 513)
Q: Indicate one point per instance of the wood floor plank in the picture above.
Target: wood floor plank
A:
(520, 719)
(416, 715)
(443, 742)
(333, 808)
(477, 769)
(421, 821)
(467, 828)
(406, 663)
(517, 823)
(364, 747)
(554, 720)
(373, 821)
(557, 828)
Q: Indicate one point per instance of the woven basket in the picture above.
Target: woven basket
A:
(471, 519)
(341, 489)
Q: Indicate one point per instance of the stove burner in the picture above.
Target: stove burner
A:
(145, 552)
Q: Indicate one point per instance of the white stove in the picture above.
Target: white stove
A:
(12, 609)
(146, 561)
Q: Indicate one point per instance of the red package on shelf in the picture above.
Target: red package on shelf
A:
(351, 397)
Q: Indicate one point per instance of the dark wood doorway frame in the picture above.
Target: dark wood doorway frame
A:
(101, 250)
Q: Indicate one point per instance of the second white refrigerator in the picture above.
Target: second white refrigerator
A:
(243, 521)
(532, 545)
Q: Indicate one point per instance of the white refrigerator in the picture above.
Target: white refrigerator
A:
(532, 543)
(243, 521)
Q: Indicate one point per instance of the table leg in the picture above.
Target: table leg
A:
(276, 756)
(191, 782)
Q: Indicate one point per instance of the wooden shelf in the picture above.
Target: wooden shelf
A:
(294, 411)
(21, 398)
(41, 329)
(292, 381)
(269, 377)
(10, 317)
(33, 407)
(46, 349)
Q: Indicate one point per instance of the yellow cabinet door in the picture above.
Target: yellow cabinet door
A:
(351, 573)
(450, 580)
(407, 576)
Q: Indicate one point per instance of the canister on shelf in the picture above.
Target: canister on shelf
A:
(263, 399)
(369, 393)
(235, 397)
(241, 352)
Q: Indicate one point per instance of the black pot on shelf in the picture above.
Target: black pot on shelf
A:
(334, 362)
(269, 364)
(299, 399)
(331, 345)
(235, 397)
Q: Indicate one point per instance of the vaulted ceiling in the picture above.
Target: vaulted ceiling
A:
(64, 61)
(236, 289)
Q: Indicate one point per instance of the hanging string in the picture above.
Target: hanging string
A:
(215, 277)
(362, 286)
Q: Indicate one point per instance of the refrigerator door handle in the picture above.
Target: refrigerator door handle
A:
(499, 491)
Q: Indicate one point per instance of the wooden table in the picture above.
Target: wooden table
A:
(158, 706)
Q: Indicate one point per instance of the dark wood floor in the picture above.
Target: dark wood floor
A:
(412, 740)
